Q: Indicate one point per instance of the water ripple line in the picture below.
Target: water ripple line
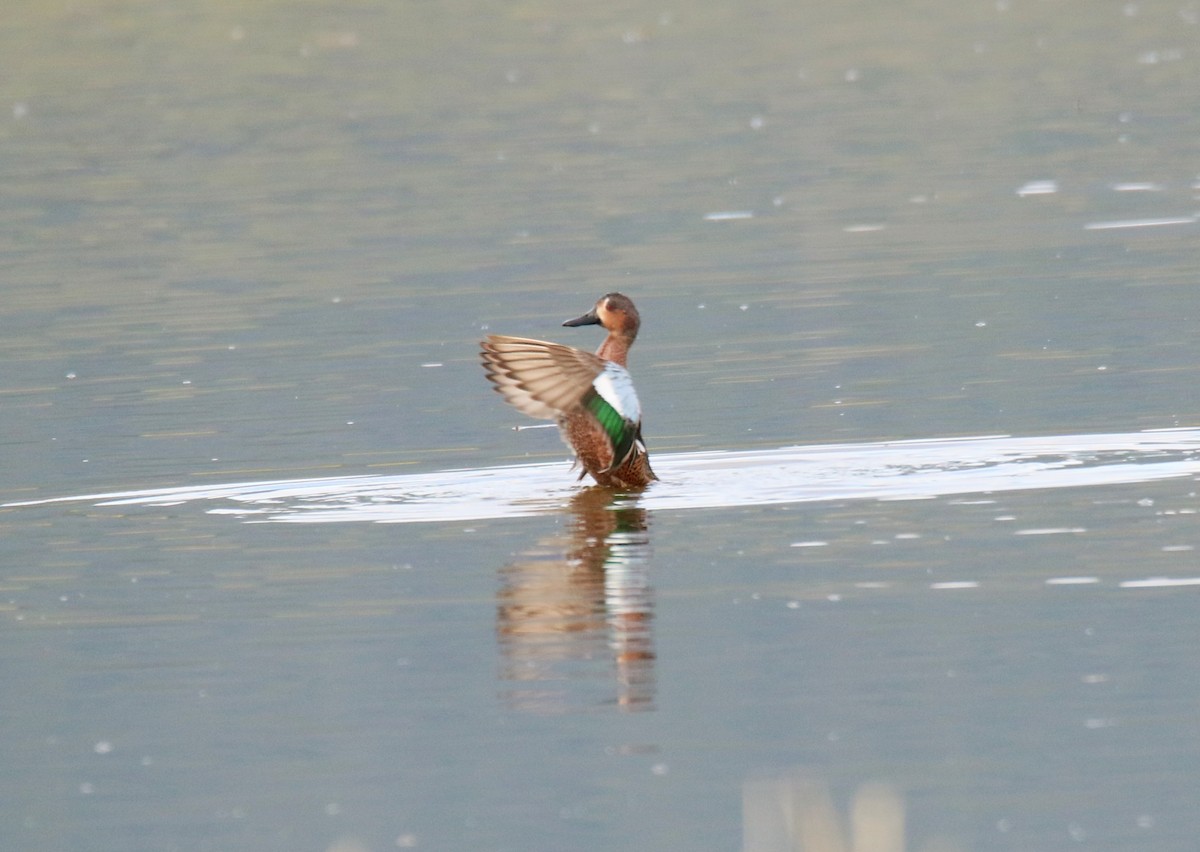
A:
(890, 470)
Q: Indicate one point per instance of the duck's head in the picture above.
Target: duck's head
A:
(616, 313)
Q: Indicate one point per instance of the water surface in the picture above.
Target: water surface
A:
(249, 252)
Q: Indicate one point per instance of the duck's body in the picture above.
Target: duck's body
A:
(591, 397)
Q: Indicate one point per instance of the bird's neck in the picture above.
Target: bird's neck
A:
(615, 348)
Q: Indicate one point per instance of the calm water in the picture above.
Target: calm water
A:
(245, 246)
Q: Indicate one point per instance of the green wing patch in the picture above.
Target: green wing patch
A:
(619, 430)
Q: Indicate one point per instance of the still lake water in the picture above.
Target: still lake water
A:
(251, 244)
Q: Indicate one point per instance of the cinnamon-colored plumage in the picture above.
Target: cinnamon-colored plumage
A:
(591, 397)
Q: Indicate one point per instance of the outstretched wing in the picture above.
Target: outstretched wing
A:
(539, 378)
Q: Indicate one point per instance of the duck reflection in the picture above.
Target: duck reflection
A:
(794, 811)
(574, 617)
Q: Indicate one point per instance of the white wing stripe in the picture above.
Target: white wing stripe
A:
(615, 385)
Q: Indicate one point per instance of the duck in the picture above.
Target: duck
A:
(590, 397)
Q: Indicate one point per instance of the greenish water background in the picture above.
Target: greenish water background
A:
(255, 241)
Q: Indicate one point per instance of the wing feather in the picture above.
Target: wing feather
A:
(539, 378)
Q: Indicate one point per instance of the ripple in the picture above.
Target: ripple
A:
(893, 470)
